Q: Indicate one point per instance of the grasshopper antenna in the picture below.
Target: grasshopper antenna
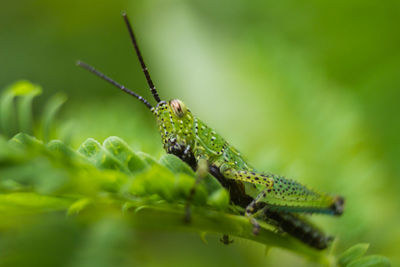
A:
(108, 79)
(139, 55)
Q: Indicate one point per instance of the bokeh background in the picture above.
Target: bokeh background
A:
(307, 89)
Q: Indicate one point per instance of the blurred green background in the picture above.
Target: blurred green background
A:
(306, 89)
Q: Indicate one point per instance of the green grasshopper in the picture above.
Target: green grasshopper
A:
(264, 196)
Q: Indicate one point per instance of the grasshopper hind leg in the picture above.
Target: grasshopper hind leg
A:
(299, 227)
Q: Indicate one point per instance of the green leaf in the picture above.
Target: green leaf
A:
(156, 180)
(7, 113)
(78, 206)
(176, 165)
(184, 183)
(31, 202)
(24, 140)
(352, 253)
(119, 149)
(100, 180)
(14, 119)
(147, 158)
(370, 261)
(49, 113)
(27, 92)
(64, 151)
(5, 149)
(219, 199)
(23, 87)
(100, 157)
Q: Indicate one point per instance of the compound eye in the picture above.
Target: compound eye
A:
(178, 107)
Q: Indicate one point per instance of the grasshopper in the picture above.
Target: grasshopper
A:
(262, 196)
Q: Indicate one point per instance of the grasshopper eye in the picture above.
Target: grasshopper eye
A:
(178, 107)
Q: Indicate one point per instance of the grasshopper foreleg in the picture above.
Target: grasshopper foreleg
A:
(186, 152)
(201, 172)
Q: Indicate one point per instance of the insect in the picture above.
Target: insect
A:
(263, 196)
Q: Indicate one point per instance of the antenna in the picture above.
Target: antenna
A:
(108, 79)
(139, 55)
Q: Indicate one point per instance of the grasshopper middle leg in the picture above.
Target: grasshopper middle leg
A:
(252, 208)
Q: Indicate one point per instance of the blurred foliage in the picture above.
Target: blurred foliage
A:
(314, 86)
(110, 180)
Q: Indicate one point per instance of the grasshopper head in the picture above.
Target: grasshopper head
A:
(175, 121)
